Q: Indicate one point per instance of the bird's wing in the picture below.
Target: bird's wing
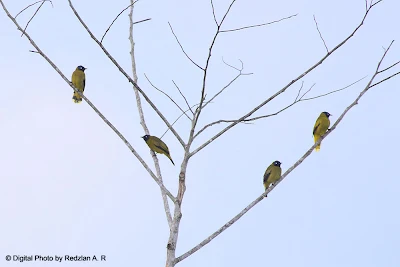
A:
(316, 126)
(74, 78)
(162, 148)
(84, 83)
(326, 122)
(267, 174)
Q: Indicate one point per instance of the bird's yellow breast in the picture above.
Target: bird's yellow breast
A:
(78, 80)
(322, 124)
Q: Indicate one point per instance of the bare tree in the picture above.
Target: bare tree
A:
(194, 112)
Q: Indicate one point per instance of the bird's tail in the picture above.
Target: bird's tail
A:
(265, 188)
(77, 98)
(316, 137)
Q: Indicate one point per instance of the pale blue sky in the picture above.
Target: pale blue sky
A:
(70, 186)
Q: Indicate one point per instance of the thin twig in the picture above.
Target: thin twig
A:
(141, 115)
(231, 82)
(127, 76)
(298, 93)
(109, 27)
(301, 98)
(259, 25)
(391, 66)
(233, 67)
(320, 34)
(140, 21)
(39, 51)
(187, 103)
(33, 5)
(334, 91)
(294, 166)
(213, 10)
(29, 21)
(244, 117)
(203, 89)
(226, 13)
(304, 99)
(170, 98)
(183, 50)
(190, 108)
(371, 5)
(391, 76)
(223, 88)
(297, 100)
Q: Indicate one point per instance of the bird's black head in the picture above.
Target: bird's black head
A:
(277, 163)
(326, 113)
(146, 137)
(82, 68)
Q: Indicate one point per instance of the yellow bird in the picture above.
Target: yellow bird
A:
(272, 174)
(78, 80)
(157, 145)
(321, 126)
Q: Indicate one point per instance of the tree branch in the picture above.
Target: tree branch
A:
(391, 76)
(294, 166)
(213, 10)
(320, 34)
(259, 25)
(334, 91)
(173, 236)
(39, 51)
(29, 21)
(170, 98)
(187, 103)
(33, 5)
(109, 27)
(244, 117)
(183, 50)
(391, 66)
(297, 100)
(127, 76)
(141, 114)
(202, 98)
(226, 13)
(166, 131)
(371, 5)
(231, 82)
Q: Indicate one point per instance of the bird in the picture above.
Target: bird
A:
(157, 145)
(78, 80)
(320, 127)
(272, 174)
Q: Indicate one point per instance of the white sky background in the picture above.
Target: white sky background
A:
(70, 186)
